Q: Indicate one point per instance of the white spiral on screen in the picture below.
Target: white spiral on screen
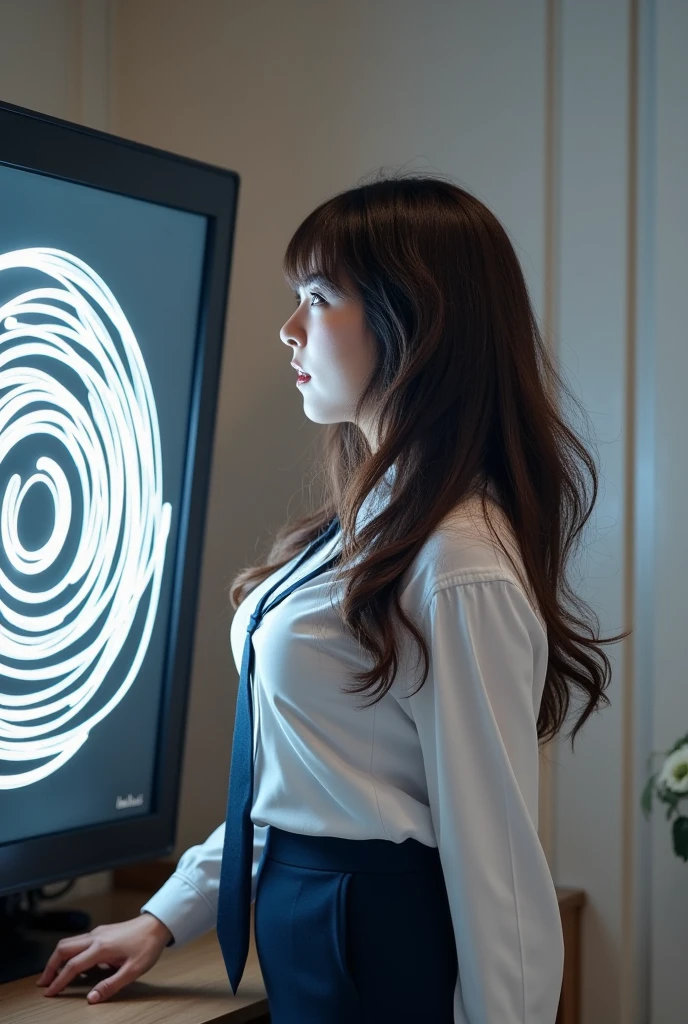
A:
(113, 444)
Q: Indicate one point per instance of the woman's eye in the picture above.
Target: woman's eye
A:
(313, 295)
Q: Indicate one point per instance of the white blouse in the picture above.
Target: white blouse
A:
(454, 766)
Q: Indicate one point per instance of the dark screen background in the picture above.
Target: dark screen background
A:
(151, 257)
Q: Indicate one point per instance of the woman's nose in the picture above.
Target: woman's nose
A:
(287, 331)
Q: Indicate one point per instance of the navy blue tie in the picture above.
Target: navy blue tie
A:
(234, 897)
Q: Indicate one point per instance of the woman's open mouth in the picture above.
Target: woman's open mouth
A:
(303, 378)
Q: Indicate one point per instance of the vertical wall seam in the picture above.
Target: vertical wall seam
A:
(628, 601)
(637, 993)
(549, 319)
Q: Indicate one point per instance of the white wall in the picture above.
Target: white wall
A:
(623, 221)
(593, 335)
(562, 117)
(669, 890)
(36, 47)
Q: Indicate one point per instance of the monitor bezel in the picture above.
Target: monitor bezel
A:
(45, 144)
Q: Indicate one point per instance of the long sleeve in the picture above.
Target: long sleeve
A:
(187, 902)
(476, 717)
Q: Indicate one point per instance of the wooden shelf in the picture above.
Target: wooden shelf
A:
(571, 904)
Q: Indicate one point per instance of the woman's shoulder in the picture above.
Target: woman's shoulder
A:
(463, 549)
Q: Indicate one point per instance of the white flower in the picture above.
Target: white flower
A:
(674, 773)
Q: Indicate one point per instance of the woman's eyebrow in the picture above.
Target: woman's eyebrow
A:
(315, 279)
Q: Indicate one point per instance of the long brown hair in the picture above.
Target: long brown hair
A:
(464, 390)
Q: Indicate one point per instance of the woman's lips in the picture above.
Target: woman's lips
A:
(303, 378)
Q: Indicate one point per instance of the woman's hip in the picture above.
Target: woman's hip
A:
(354, 931)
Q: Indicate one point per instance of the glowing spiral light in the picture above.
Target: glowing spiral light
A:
(58, 643)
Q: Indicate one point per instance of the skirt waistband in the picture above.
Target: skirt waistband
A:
(332, 853)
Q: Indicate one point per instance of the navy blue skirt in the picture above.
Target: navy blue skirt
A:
(353, 931)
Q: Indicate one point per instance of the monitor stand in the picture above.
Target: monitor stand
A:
(28, 937)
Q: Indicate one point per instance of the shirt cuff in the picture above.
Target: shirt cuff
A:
(183, 908)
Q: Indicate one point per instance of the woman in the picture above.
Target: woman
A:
(392, 848)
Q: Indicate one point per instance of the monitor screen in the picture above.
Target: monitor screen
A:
(114, 275)
(99, 309)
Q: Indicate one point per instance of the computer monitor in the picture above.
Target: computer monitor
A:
(114, 270)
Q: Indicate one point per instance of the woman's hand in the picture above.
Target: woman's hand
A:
(134, 946)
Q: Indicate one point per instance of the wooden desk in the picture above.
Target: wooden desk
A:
(186, 986)
(190, 985)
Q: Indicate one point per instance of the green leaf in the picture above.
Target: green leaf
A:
(646, 799)
(678, 743)
(680, 835)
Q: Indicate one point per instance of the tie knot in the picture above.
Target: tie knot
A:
(253, 622)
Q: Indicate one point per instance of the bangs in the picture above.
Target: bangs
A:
(319, 251)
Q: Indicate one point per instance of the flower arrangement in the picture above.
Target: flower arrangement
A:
(670, 784)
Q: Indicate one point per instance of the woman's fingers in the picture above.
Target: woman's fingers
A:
(126, 949)
(76, 964)
(105, 989)
(65, 949)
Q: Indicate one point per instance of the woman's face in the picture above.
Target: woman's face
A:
(329, 340)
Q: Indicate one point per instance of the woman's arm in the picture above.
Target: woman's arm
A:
(187, 902)
(476, 717)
